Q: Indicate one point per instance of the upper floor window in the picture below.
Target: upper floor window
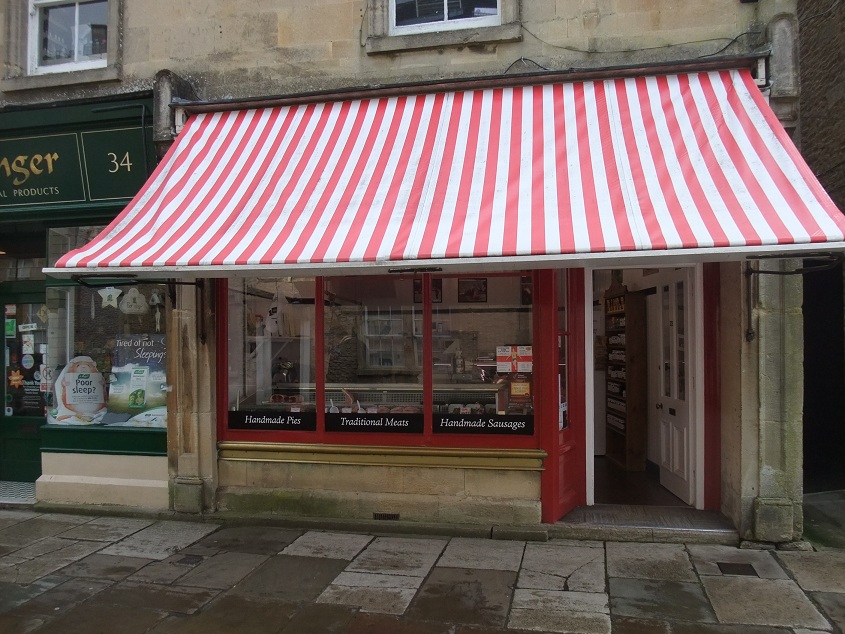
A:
(67, 36)
(424, 16)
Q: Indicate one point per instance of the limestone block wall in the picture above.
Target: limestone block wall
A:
(243, 48)
(415, 493)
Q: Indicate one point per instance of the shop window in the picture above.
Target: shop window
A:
(21, 269)
(105, 352)
(272, 369)
(482, 353)
(105, 356)
(374, 356)
(397, 25)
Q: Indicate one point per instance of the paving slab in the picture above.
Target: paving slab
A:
(48, 525)
(566, 622)
(373, 580)
(710, 628)
(706, 559)
(383, 624)
(12, 594)
(110, 567)
(482, 554)
(228, 614)
(168, 570)
(776, 602)
(460, 596)
(36, 549)
(580, 543)
(329, 545)
(668, 562)
(380, 600)
(160, 540)
(817, 571)
(223, 570)
(659, 599)
(833, 605)
(288, 578)
(399, 556)
(10, 517)
(259, 540)
(50, 605)
(107, 529)
(629, 625)
(173, 599)
(555, 566)
(321, 619)
(32, 569)
(101, 618)
(559, 601)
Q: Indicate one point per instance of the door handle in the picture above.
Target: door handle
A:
(658, 406)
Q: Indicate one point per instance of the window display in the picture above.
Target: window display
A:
(271, 354)
(409, 355)
(105, 356)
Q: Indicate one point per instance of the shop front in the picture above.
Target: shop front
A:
(400, 317)
(65, 172)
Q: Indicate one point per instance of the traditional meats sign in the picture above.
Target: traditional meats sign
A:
(403, 423)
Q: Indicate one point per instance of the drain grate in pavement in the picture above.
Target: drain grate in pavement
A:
(727, 568)
(17, 492)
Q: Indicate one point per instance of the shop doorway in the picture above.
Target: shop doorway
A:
(24, 383)
(644, 422)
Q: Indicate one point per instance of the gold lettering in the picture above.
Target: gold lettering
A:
(5, 165)
(51, 159)
(18, 168)
(36, 160)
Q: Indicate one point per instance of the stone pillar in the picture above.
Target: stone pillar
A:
(777, 508)
(191, 420)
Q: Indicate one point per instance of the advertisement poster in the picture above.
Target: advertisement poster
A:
(138, 385)
(514, 359)
(79, 396)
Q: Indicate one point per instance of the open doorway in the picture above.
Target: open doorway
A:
(644, 426)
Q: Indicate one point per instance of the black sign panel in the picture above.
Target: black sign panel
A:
(390, 423)
(285, 421)
(484, 424)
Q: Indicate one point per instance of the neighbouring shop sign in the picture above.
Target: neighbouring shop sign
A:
(511, 425)
(98, 165)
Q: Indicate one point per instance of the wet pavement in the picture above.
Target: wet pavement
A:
(72, 573)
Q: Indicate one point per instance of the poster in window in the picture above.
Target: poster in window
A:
(79, 394)
(138, 383)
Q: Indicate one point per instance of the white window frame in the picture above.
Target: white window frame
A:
(34, 39)
(443, 25)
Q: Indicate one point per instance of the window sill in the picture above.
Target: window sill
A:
(54, 80)
(463, 37)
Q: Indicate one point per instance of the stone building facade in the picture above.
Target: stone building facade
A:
(253, 49)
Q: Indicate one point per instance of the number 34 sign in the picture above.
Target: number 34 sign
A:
(115, 163)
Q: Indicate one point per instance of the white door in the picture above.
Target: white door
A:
(673, 405)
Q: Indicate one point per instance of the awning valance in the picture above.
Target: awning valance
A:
(690, 165)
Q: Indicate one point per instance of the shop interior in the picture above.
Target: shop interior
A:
(640, 329)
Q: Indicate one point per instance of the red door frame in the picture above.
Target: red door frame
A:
(564, 480)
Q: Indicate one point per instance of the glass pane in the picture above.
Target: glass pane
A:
(25, 386)
(373, 347)
(58, 34)
(666, 352)
(463, 9)
(409, 12)
(93, 27)
(679, 329)
(482, 349)
(106, 356)
(64, 239)
(271, 354)
(563, 401)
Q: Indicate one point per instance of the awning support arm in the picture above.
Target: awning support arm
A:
(826, 261)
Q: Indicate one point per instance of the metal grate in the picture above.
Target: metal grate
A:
(386, 516)
(17, 492)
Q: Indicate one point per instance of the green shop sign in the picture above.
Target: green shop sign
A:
(98, 165)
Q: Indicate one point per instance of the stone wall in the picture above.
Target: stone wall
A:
(822, 124)
(230, 49)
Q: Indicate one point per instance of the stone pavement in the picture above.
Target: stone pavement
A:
(72, 573)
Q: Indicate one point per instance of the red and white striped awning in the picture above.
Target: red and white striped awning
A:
(692, 165)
